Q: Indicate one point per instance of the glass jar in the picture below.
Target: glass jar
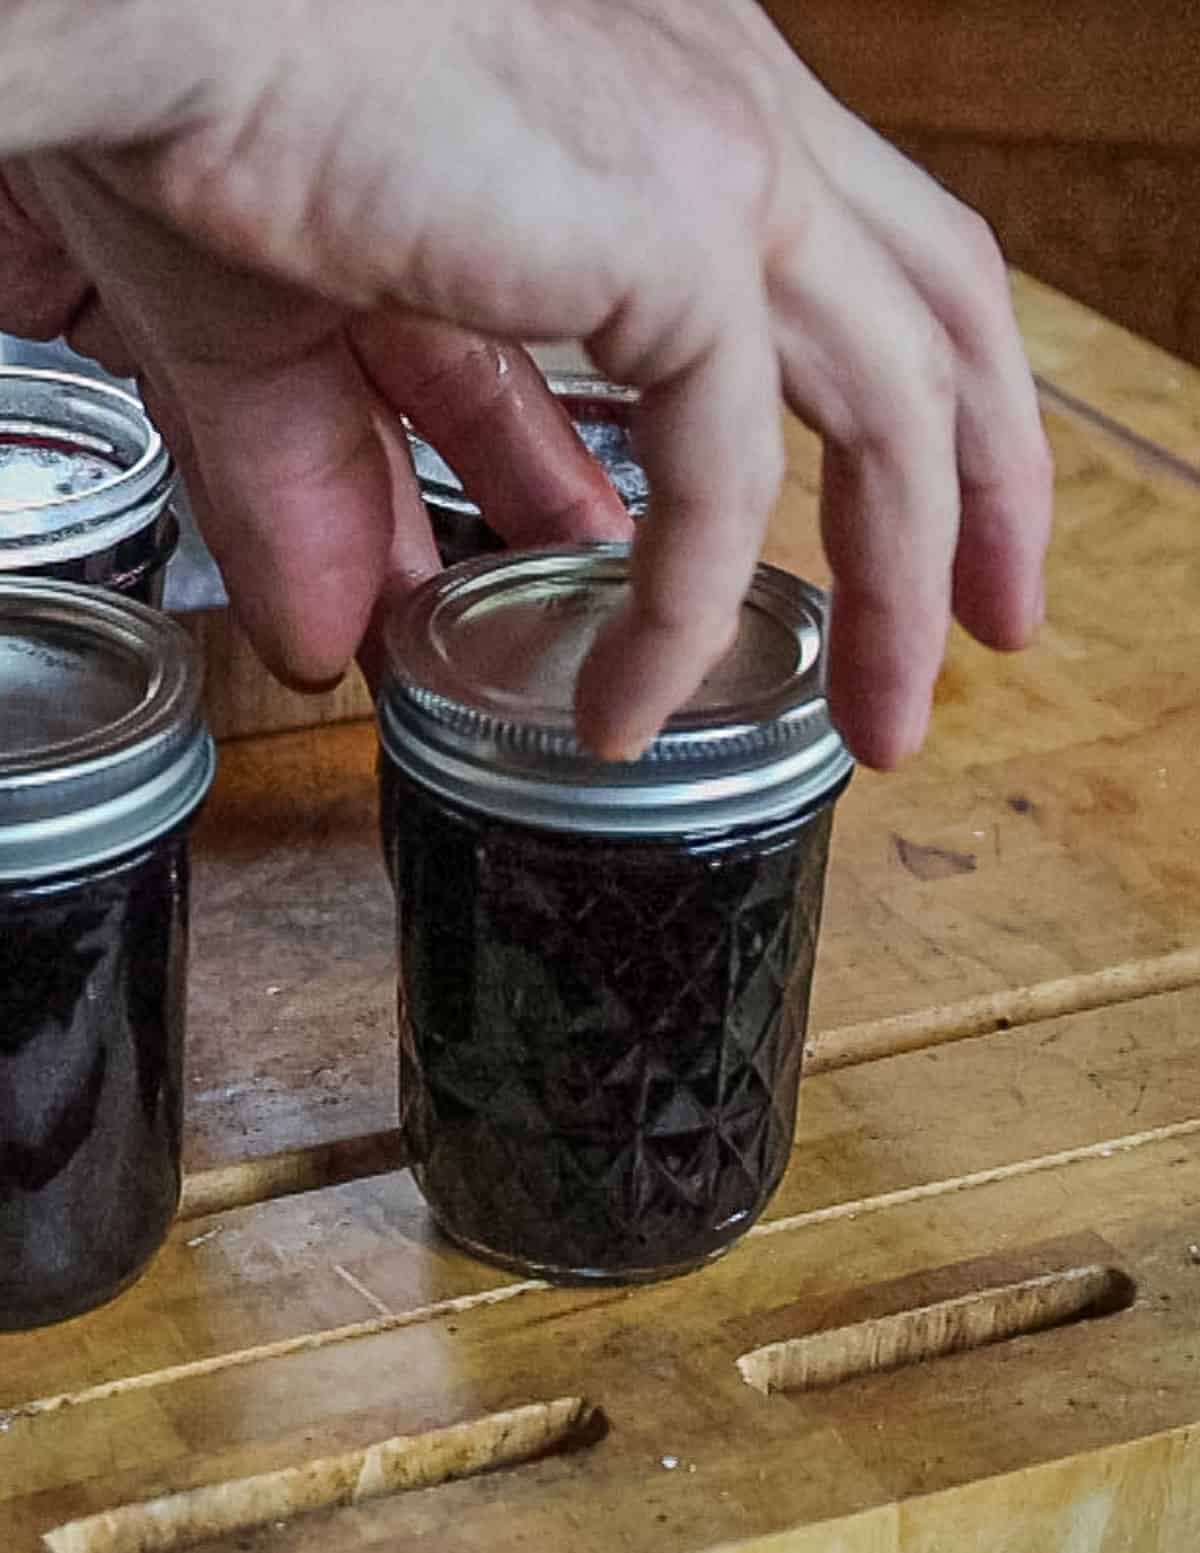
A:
(604, 969)
(104, 760)
(85, 484)
(602, 413)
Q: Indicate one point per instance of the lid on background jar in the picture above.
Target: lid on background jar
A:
(478, 705)
(82, 467)
(603, 416)
(103, 746)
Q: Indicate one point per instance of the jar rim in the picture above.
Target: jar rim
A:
(756, 744)
(107, 746)
(91, 418)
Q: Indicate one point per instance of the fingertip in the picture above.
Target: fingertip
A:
(881, 734)
(608, 722)
(1006, 620)
(311, 663)
(637, 674)
(306, 684)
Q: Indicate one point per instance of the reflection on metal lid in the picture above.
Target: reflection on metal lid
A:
(480, 704)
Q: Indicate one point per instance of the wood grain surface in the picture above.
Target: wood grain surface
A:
(311, 1327)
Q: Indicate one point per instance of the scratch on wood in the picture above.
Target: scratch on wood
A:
(361, 1289)
(925, 862)
(978, 1178)
(306, 1342)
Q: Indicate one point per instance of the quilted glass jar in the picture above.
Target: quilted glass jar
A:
(85, 484)
(604, 968)
(104, 761)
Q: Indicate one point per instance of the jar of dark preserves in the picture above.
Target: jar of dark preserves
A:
(604, 969)
(85, 484)
(104, 759)
(602, 413)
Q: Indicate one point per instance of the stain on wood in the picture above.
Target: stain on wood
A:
(929, 862)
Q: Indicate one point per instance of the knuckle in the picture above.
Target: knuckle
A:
(929, 396)
(1031, 469)
(981, 249)
(937, 373)
(704, 625)
(463, 384)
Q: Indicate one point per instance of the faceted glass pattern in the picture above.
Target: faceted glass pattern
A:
(601, 1039)
(92, 987)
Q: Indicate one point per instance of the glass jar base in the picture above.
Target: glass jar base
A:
(578, 1277)
(53, 1313)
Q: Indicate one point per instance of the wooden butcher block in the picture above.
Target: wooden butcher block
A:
(970, 1319)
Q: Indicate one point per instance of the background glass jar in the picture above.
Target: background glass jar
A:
(604, 970)
(602, 413)
(85, 484)
(104, 760)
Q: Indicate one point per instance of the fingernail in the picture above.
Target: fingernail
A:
(625, 750)
(610, 743)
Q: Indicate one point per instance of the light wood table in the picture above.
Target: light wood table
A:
(1000, 1120)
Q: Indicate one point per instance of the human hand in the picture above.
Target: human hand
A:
(284, 415)
(660, 177)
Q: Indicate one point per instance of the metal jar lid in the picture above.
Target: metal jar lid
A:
(82, 467)
(103, 746)
(478, 703)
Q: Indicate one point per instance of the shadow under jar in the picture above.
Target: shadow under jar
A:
(104, 760)
(85, 484)
(604, 968)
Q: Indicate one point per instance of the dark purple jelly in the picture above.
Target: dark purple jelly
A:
(604, 967)
(104, 760)
(601, 1039)
(91, 1043)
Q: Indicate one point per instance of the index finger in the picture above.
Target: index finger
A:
(711, 438)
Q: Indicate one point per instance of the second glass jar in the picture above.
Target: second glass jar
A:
(85, 485)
